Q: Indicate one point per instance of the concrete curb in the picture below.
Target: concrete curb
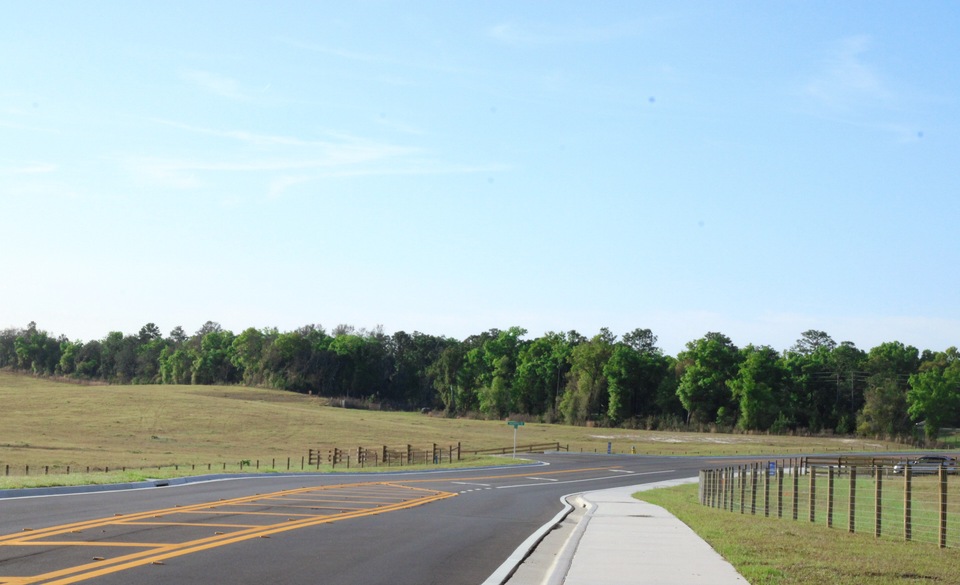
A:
(506, 569)
(561, 566)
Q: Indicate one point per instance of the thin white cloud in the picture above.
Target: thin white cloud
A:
(511, 33)
(430, 63)
(27, 127)
(341, 53)
(280, 185)
(29, 169)
(218, 84)
(848, 79)
(401, 127)
(245, 136)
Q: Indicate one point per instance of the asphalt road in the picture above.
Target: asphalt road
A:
(444, 527)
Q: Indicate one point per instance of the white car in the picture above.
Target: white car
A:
(927, 464)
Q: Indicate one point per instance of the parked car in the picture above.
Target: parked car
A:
(927, 464)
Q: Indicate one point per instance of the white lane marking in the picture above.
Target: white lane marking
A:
(470, 483)
(520, 485)
(622, 471)
(543, 478)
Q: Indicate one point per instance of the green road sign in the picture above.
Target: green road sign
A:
(515, 423)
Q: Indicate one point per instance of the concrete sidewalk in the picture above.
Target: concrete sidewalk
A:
(614, 539)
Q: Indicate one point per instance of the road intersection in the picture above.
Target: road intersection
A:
(450, 527)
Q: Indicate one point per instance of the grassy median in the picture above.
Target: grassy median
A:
(771, 551)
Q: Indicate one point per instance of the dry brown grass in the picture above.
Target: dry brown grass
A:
(49, 423)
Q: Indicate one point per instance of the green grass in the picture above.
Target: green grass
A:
(870, 504)
(950, 438)
(771, 551)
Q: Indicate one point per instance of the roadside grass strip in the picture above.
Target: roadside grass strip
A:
(258, 516)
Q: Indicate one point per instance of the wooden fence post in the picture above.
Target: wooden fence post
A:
(753, 488)
(830, 497)
(710, 486)
(813, 493)
(852, 519)
(796, 491)
(907, 503)
(701, 484)
(741, 471)
(878, 502)
(717, 481)
(733, 489)
(943, 506)
(766, 491)
(780, 492)
(722, 488)
(732, 486)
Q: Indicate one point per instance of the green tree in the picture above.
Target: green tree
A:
(934, 395)
(622, 371)
(361, 367)
(542, 366)
(812, 341)
(410, 379)
(88, 360)
(68, 357)
(586, 397)
(888, 367)
(246, 354)
(176, 365)
(36, 351)
(499, 354)
(758, 387)
(148, 345)
(446, 371)
(827, 383)
(212, 362)
(704, 369)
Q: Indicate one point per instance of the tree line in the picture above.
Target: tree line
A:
(817, 385)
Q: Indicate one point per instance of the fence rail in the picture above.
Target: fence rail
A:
(859, 498)
(384, 456)
(273, 463)
(316, 457)
(534, 448)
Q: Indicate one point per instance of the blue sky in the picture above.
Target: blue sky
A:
(754, 168)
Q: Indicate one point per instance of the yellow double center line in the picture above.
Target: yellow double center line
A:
(359, 500)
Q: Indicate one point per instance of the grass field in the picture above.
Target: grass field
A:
(771, 551)
(48, 424)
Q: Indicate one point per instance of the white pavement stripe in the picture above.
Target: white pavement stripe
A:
(520, 485)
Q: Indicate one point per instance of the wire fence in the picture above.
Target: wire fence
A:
(886, 500)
